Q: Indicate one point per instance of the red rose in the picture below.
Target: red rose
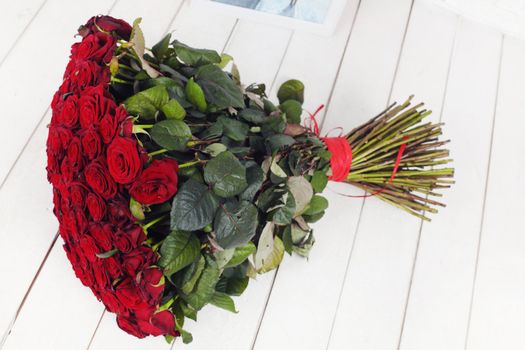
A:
(58, 139)
(87, 73)
(111, 302)
(101, 236)
(98, 178)
(165, 322)
(96, 206)
(91, 143)
(89, 247)
(129, 239)
(119, 213)
(77, 195)
(156, 322)
(94, 104)
(97, 47)
(137, 260)
(151, 284)
(129, 295)
(126, 128)
(69, 112)
(109, 124)
(101, 275)
(157, 183)
(112, 267)
(74, 154)
(106, 24)
(130, 326)
(124, 162)
(66, 169)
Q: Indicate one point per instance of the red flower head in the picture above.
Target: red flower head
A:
(157, 183)
(106, 24)
(124, 162)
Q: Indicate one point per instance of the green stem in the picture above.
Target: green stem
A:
(157, 152)
(187, 165)
(153, 222)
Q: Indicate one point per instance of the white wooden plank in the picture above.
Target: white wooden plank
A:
(302, 300)
(34, 67)
(36, 316)
(33, 237)
(372, 303)
(15, 17)
(202, 29)
(258, 51)
(438, 308)
(60, 314)
(498, 311)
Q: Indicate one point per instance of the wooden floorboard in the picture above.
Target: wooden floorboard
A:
(377, 278)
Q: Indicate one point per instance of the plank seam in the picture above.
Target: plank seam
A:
(421, 225)
(482, 221)
(96, 329)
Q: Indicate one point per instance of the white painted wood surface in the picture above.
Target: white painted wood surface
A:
(376, 278)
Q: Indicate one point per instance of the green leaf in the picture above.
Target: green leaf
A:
(234, 129)
(287, 239)
(302, 192)
(219, 88)
(223, 301)
(319, 181)
(205, 288)
(188, 311)
(192, 274)
(139, 46)
(195, 57)
(173, 110)
(313, 218)
(283, 213)
(178, 250)
(276, 169)
(225, 59)
(255, 179)
(291, 90)
(317, 205)
(293, 110)
(270, 250)
(223, 256)
(215, 149)
(241, 254)
(277, 141)
(226, 174)
(236, 285)
(160, 49)
(235, 224)
(254, 116)
(171, 134)
(193, 207)
(147, 103)
(196, 95)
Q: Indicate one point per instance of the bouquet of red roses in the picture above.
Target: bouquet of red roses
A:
(174, 184)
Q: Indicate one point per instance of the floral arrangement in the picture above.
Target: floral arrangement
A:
(174, 184)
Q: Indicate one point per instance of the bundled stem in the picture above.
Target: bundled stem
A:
(375, 147)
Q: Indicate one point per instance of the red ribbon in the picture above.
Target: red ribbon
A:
(341, 159)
